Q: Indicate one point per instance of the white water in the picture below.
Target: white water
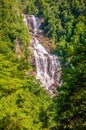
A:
(36, 23)
(48, 67)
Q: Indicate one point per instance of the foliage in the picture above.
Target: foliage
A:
(71, 101)
(24, 105)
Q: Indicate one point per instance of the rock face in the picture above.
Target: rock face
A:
(48, 68)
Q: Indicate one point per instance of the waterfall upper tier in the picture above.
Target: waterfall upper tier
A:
(48, 68)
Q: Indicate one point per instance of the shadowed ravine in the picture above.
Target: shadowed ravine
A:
(48, 68)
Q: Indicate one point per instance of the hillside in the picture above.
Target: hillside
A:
(24, 104)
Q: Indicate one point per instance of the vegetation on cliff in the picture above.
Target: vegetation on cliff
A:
(24, 105)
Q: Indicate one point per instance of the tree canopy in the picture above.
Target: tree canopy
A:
(24, 104)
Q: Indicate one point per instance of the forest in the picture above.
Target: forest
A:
(24, 104)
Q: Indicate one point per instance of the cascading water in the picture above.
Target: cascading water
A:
(48, 68)
(36, 23)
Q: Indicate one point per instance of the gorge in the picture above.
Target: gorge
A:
(48, 68)
(42, 65)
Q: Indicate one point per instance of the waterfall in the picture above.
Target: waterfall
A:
(36, 23)
(48, 68)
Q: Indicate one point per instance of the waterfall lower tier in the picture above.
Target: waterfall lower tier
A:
(48, 68)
